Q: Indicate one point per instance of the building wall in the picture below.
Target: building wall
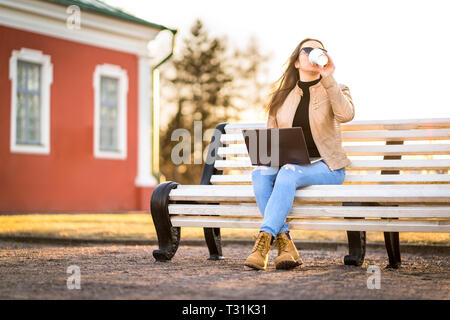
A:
(69, 178)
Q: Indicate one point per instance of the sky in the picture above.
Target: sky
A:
(393, 55)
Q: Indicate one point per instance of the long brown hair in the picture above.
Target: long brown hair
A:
(287, 81)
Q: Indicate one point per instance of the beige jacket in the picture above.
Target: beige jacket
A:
(330, 104)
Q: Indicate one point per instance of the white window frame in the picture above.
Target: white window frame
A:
(116, 72)
(33, 56)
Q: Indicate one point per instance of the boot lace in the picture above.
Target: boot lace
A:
(260, 244)
(281, 243)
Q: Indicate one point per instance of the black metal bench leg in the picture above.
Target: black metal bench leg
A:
(212, 237)
(356, 248)
(392, 242)
(356, 243)
(392, 239)
(168, 236)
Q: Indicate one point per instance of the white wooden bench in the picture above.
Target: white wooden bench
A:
(398, 182)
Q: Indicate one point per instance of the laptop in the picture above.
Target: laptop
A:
(290, 147)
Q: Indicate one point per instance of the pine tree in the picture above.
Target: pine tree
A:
(208, 84)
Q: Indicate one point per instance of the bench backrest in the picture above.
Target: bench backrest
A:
(374, 195)
(418, 149)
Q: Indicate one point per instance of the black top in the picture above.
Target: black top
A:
(301, 118)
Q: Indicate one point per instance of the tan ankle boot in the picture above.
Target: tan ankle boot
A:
(260, 253)
(288, 256)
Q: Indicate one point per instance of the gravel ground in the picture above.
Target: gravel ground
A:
(39, 271)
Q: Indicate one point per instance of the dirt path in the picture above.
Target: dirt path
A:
(33, 271)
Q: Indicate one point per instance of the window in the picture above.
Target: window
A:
(31, 75)
(109, 89)
(110, 112)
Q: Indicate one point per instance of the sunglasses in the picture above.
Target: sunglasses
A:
(309, 49)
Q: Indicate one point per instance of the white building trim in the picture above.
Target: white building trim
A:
(144, 168)
(38, 57)
(116, 72)
(101, 31)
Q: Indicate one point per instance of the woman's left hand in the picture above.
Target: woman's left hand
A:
(326, 70)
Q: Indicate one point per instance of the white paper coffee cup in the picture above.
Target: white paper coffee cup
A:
(317, 56)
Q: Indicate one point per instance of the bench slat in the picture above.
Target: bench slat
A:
(397, 124)
(433, 164)
(349, 178)
(369, 135)
(251, 210)
(411, 149)
(396, 135)
(358, 125)
(386, 225)
(321, 193)
(360, 150)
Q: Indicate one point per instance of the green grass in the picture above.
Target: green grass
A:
(139, 226)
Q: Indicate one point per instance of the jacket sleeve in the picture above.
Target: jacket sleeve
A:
(341, 100)
(271, 122)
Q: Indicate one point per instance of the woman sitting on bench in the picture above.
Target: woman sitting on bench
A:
(307, 96)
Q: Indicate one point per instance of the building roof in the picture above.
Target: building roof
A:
(100, 7)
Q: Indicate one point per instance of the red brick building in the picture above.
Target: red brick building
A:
(75, 107)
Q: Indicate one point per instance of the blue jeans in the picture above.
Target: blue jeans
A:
(275, 189)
